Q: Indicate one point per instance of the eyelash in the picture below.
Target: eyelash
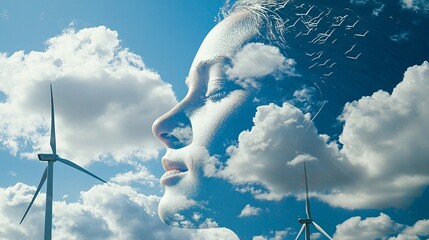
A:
(217, 96)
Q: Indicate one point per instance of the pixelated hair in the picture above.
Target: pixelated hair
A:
(268, 13)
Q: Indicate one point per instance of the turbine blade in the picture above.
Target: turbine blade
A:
(74, 165)
(307, 199)
(321, 230)
(42, 181)
(300, 232)
(53, 138)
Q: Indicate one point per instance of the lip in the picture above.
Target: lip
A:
(175, 171)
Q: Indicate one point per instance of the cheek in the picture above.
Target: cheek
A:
(216, 120)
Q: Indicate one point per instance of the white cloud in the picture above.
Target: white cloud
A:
(104, 212)
(256, 60)
(315, 236)
(386, 135)
(381, 227)
(13, 202)
(141, 175)
(416, 5)
(104, 98)
(419, 229)
(382, 162)
(208, 223)
(277, 235)
(370, 228)
(268, 155)
(250, 211)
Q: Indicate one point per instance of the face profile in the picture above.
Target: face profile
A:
(205, 119)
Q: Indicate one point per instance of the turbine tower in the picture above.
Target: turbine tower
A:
(306, 222)
(48, 174)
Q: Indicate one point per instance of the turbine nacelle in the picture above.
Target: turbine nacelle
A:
(47, 157)
(304, 220)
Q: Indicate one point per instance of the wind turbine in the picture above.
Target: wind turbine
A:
(306, 222)
(48, 174)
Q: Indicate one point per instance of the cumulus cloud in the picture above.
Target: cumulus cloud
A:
(104, 98)
(370, 228)
(256, 60)
(103, 212)
(250, 211)
(380, 227)
(419, 229)
(381, 162)
(385, 134)
(141, 175)
(277, 235)
(266, 160)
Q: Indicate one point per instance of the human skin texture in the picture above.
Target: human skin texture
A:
(197, 131)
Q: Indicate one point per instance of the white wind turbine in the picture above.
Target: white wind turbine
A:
(306, 222)
(48, 174)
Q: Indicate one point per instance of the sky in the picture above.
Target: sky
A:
(117, 66)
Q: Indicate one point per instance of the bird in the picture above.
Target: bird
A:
(351, 49)
(339, 20)
(348, 27)
(323, 64)
(319, 54)
(354, 58)
(305, 14)
(361, 35)
(312, 66)
(294, 24)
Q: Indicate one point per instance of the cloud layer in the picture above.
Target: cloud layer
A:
(104, 98)
(104, 212)
(382, 162)
(380, 227)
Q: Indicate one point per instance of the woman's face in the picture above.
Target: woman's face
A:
(198, 130)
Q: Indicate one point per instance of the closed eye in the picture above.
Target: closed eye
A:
(217, 96)
(220, 88)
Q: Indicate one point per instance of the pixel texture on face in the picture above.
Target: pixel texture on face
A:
(213, 113)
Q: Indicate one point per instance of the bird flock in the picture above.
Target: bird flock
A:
(322, 29)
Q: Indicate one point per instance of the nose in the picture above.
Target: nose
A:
(173, 129)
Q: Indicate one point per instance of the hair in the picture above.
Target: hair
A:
(266, 12)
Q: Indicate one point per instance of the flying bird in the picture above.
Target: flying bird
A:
(305, 14)
(348, 27)
(361, 35)
(351, 49)
(354, 58)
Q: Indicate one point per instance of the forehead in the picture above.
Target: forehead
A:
(227, 37)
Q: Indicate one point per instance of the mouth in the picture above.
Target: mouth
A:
(175, 171)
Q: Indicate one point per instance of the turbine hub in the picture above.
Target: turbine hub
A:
(305, 220)
(47, 157)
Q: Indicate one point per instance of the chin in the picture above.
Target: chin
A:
(178, 209)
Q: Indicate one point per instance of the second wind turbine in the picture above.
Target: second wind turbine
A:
(48, 174)
(306, 222)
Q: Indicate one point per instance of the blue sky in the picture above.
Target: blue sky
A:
(109, 92)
